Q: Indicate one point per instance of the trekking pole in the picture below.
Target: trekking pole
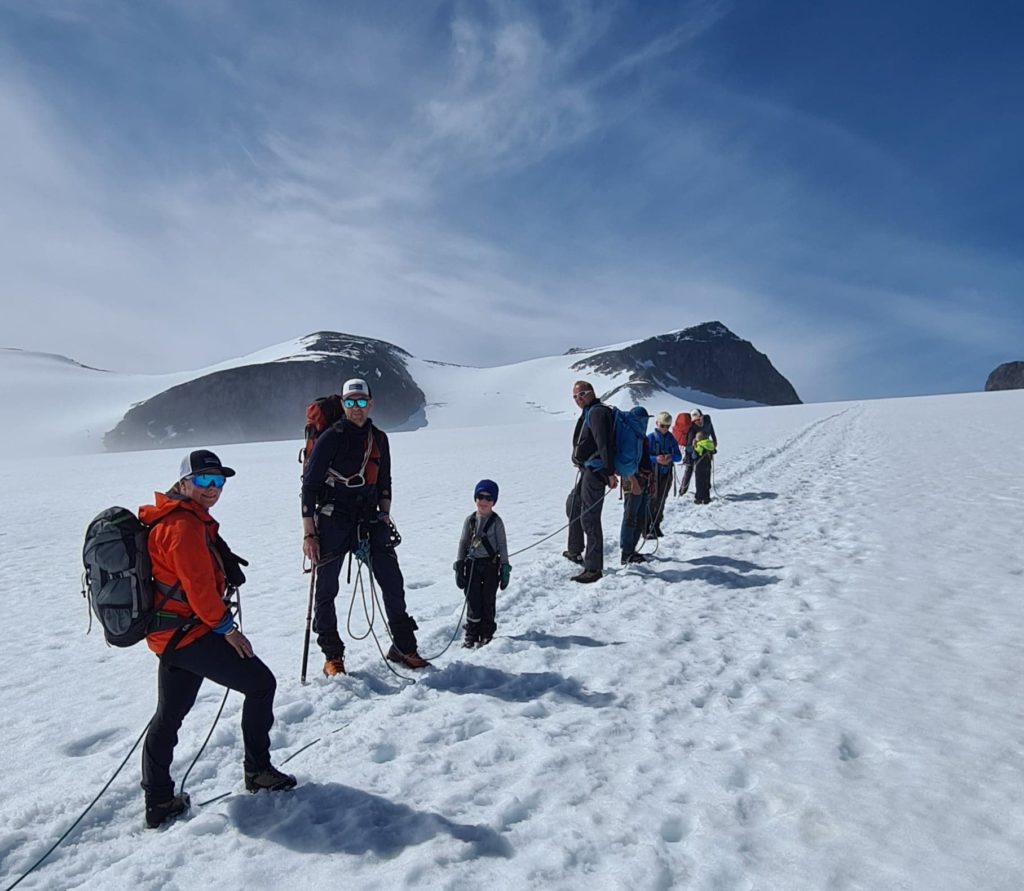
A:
(309, 623)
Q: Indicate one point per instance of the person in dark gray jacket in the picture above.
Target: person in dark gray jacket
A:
(481, 565)
(593, 442)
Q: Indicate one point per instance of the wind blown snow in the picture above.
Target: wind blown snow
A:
(815, 683)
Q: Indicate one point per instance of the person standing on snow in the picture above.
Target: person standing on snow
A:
(637, 492)
(665, 453)
(704, 449)
(701, 423)
(593, 442)
(196, 636)
(346, 502)
(481, 564)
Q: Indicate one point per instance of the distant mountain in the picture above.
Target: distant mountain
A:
(267, 400)
(262, 396)
(708, 358)
(1008, 376)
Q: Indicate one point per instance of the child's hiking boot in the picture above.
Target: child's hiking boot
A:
(164, 812)
(334, 667)
(409, 660)
(271, 780)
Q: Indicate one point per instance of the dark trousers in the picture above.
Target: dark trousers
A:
(634, 518)
(585, 506)
(481, 595)
(687, 473)
(702, 480)
(179, 678)
(657, 512)
(338, 536)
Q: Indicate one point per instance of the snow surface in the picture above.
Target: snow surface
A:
(815, 684)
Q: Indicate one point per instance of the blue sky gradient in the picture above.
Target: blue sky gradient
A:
(483, 182)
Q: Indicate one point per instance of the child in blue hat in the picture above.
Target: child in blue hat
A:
(482, 566)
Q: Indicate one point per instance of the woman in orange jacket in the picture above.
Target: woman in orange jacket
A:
(196, 637)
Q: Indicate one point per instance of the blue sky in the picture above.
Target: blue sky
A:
(483, 182)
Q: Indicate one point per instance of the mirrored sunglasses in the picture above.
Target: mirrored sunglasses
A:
(205, 480)
(352, 403)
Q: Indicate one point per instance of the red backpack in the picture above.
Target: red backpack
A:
(320, 414)
(682, 427)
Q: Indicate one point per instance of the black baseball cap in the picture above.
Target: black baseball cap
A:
(202, 461)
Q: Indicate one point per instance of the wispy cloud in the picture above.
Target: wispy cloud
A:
(486, 182)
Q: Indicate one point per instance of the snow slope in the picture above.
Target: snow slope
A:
(814, 684)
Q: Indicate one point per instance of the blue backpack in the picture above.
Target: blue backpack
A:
(630, 431)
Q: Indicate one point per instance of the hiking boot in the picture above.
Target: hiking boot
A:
(587, 576)
(334, 667)
(484, 641)
(410, 660)
(271, 779)
(573, 558)
(165, 812)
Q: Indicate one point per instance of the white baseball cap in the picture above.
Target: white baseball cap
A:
(356, 387)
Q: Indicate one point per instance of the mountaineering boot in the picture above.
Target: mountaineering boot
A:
(410, 660)
(334, 667)
(484, 640)
(587, 576)
(573, 558)
(472, 635)
(271, 779)
(166, 811)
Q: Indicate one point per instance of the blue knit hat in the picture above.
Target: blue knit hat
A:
(488, 487)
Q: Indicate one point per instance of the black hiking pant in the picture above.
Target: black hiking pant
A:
(657, 513)
(702, 480)
(584, 511)
(481, 597)
(635, 509)
(687, 474)
(179, 678)
(338, 536)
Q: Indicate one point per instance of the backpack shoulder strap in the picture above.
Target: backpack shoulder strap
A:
(482, 537)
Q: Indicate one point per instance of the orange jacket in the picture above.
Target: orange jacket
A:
(181, 549)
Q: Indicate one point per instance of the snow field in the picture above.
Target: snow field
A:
(813, 684)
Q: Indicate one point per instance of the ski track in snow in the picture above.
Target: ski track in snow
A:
(779, 699)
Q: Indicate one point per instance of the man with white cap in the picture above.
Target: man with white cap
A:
(346, 504)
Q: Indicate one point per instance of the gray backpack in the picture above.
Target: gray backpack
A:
(118, 579)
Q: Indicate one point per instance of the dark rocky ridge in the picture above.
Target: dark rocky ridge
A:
(1008, 376)
(708, 358)
(267, 401)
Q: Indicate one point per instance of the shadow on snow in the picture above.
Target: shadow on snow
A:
(751, 496)
(563, 642)
(329, 818)
(739, 565)
(461, 677)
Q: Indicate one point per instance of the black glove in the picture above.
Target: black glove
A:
(506, 573)
(460, 574)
